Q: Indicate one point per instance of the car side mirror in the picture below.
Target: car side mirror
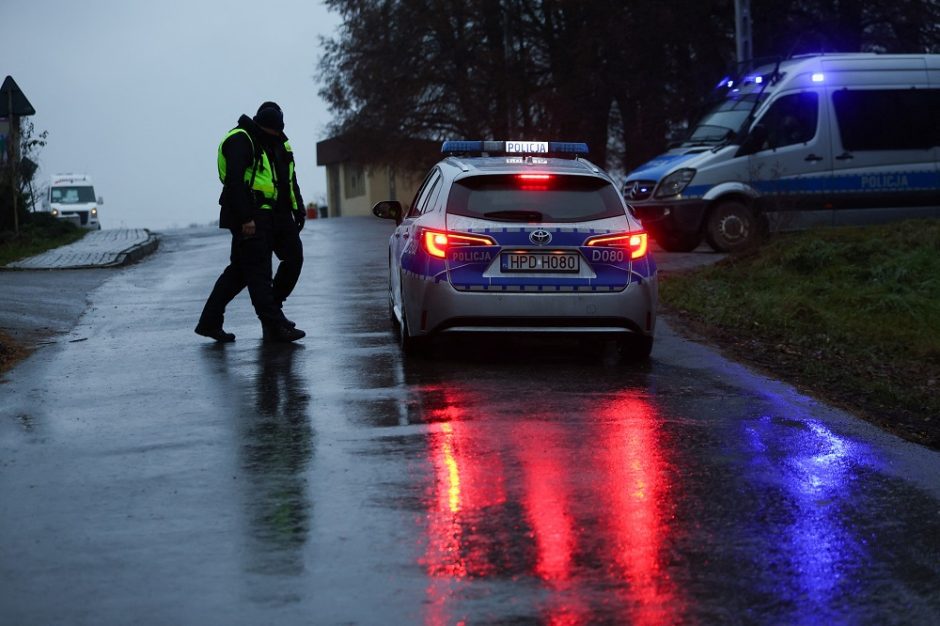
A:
(388, 210)
(754, 140)
(100, 199)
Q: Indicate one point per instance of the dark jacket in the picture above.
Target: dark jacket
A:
(236, 201)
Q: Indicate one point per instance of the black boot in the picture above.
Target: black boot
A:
(215, 333)
(282, 332)
(280, 308)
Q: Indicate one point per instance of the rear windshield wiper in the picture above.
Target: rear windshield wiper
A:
(515, 216)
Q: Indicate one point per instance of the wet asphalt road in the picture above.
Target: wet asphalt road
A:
(149, 476)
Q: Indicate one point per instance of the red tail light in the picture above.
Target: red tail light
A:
(437, 242)
(542, 177)
(636, 243)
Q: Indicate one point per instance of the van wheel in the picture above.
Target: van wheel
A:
(678, 242)
(733, 226)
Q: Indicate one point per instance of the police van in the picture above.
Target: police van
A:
(72, 197)
(835, 139)
(519, 237)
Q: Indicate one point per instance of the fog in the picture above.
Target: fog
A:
(138, 95)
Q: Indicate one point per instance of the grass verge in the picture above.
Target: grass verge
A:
(11, 353)
(851, 315)
(39, 233)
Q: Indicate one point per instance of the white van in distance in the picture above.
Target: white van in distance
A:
(72, 196)
(834, 139)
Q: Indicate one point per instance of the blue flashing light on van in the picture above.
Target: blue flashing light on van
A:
(816, 140)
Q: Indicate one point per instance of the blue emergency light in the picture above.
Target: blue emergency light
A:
(567, 148)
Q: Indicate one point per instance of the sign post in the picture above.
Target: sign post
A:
(14, 105)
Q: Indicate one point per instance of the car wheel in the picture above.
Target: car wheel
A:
(391, 314)
(733, 226)
(410, 344)
(678, 242)
(391, 308)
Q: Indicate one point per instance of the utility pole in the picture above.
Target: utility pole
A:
(14, 161)
(507, 42)
(742, 31)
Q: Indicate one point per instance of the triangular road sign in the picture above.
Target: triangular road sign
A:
(21, 105)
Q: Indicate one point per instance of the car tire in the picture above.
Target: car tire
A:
(391, 314)
(410, 345)
(635, 348)
(678, 242)
(733, 226)
(391, 301)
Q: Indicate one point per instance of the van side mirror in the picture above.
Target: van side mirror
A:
(754, 140)
(388, 210)
(100, 199)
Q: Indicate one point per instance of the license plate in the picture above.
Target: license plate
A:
(566, 262)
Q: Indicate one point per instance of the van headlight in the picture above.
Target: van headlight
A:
(675, 183)
(94, 211)
(55, 212)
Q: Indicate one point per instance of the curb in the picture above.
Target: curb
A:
(111, 258)
(135, 253)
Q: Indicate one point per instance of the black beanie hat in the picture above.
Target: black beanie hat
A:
(269, 115)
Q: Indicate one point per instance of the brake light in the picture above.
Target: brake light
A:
(534, 176)
(636, 243)
(437, 242)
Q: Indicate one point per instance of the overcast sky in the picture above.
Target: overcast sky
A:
(138, 94)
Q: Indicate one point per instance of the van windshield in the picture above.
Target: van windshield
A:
(73, 195)
(542, 198)
(724, 120)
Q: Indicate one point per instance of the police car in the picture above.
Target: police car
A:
(519, 237)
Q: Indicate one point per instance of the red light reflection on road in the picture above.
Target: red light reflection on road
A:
(592, 498)
(636, 494)
(462, 491)
(546, 498)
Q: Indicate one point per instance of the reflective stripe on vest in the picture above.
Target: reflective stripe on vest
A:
(259, 177)
(290, 177)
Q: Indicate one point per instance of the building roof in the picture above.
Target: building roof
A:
(361, 148)
(334, 150)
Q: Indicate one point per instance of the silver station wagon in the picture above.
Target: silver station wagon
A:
(519, 237)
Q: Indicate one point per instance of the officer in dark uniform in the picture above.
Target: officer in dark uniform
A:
(261, 205)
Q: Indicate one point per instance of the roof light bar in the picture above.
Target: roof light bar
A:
(573, 148)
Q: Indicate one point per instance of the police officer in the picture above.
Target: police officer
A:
(261, 205)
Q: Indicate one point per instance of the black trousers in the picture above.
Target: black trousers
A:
(250, 266)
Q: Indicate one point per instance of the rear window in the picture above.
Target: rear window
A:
(513, 198)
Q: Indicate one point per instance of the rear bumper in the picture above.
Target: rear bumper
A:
(436, 307)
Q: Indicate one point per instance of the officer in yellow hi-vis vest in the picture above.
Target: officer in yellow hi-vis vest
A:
(262, 207)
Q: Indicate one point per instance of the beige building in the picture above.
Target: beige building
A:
(353, 185)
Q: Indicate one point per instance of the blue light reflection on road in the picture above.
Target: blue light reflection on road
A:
(820, 555)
